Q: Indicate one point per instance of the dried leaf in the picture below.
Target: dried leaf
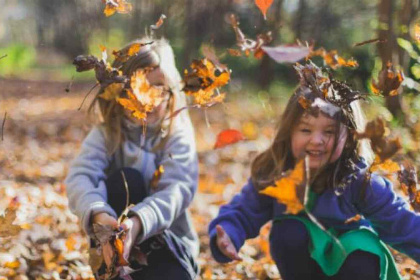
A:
(263, 5)
(142, 98)
(228, 137)
(124, 54)
(284, 53)
(388, 166)
(111, 92)
(388, 82)
(203, 82)
(285, 189)
(116, 6)
(159, 23)
(7, 229)
(103, 233)
(332, 59)
(95, 259)
(119, 248)
(353, 219)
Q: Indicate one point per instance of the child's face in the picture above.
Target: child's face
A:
(155, 78)
(314, 136)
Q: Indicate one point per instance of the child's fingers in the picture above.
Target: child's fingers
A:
(220, 232)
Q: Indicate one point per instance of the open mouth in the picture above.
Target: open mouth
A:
(313, 153)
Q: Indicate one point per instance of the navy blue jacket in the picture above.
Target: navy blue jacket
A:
(382, 209)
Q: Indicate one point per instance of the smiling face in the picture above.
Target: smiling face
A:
(314, 136)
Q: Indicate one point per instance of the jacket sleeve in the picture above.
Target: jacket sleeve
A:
(175, 189)
(391, 217)
(85, 184)
(242, 219)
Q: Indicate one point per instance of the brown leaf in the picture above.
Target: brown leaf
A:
(389, 80)
(7, 229)
(332, 59)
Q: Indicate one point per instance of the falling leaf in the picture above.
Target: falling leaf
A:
(263, 5)
(285, 189)
(85, 62)
(7, 229)
(159, 23)
(142, 98)
(353, 219)
(247, 45)
(116, 6)
(388, 166)
(203, 82)
(127, 52)
(388, 82)
(332, 59)
(283, 53)
(156, 176)
(228, 137)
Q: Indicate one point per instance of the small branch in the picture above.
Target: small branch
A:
(1, 57)
(87, 96)
(2, 126)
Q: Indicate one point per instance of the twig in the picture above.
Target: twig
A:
(67, 89)
(377, 40)
(126, 189)
(2, 126)
(3, 56)
(87, 96)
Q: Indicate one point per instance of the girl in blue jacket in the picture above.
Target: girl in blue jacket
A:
(319, 122)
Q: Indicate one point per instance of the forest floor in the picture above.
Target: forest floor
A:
(42, 134)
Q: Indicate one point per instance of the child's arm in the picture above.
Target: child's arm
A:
(391, 217)
(85, 185)
(175, 189)
(241, 219)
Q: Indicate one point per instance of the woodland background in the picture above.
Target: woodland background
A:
(40, 93)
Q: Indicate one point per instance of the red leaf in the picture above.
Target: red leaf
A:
(283, 53)
(228, 137)
(263, 5)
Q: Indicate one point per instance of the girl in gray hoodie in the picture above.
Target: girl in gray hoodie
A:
(117, 163)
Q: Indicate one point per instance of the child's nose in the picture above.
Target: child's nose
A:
(317, 139)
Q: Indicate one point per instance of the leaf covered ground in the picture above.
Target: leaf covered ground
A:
(43, 132)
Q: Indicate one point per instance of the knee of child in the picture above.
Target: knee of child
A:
(288, 234)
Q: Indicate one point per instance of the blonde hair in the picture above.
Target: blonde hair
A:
(157, 54)
(271, 163)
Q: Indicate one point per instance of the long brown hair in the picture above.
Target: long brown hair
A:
(278, 158)
(157, 54)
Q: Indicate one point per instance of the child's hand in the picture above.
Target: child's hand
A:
(105, 219)
(225, 245)
(133, 228)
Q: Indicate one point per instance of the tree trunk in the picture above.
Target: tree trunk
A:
(386, 49)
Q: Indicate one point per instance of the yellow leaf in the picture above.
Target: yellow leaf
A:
(285, 189)
(112, 91)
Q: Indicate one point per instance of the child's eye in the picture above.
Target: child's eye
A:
(330, 132)
(305, 130)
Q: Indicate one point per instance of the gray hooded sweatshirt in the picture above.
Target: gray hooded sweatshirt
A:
(166, 205)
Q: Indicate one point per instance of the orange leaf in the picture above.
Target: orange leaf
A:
(116, 6)
(285, 189)
(159, 23)
(124, 54)
(228, 137)
(355, 218)
(112, 91)
(263, 5)
(119, 247)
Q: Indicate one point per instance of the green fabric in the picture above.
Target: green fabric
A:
(331, 253)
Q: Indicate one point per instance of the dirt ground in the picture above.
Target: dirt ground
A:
(42, 134)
